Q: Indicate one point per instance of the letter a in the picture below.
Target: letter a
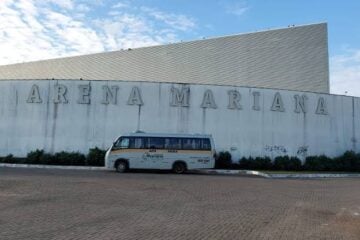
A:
(278, 104)
(135, 97)
(208, 100)
(321, 107)
(34, 96)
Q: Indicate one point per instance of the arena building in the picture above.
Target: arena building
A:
(259, 94)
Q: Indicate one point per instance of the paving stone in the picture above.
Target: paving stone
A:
(66, 204)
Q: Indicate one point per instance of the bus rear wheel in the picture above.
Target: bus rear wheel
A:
(179, 168)
(121, 166)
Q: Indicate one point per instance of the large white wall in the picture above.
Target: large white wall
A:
(71, 126)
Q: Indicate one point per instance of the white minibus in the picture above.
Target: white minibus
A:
(177, 152)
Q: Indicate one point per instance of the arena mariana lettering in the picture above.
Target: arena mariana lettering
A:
(179, 98)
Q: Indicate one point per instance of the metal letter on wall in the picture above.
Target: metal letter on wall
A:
(277, 104)
(208, 100)
(34, 96)
(256, 105)
(234, 100)
(135, 97)
(60, 93)
(321, 107)
(300, 103)
(109, 95)
(84, 94)
(180, 98)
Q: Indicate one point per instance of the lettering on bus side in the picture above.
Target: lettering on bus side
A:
(148, 156)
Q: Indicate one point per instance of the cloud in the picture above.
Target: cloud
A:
(176, 21)
(236, 8)
(124, 4)
(34, 30)
(66, 4)
(345, 73)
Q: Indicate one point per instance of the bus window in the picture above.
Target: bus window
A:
(172, 143)
(186, 144)
(137, 143)
(206, 144)
(191, 143)
(123, 142)
(197, 143)
(156, 143)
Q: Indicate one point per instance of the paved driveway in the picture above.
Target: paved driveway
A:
(62, 204)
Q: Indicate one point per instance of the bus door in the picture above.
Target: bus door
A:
(137, 147)
(154, 156)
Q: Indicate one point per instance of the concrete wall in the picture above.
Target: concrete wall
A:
(264, 126)
(294, 58)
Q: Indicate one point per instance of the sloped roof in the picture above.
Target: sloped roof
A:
(294, 58)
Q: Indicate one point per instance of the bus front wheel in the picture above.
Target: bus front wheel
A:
(121, 166)
(179, 167)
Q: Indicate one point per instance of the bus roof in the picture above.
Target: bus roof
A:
(180, 135)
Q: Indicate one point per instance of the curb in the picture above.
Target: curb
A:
(201, 171)
(275, 176)
(16, 165)
(316, 175)
(231, 172)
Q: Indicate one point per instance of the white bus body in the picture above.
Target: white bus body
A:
(179, 152)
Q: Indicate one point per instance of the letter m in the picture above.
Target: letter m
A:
(180, 98)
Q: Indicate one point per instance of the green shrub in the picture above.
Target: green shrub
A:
(286, 163)
(69, 158)
(235, 166)
(34, 157)
(320, 163)
(262, 163)
(349, 161)
(47, 159)
(280, 162)
(9, 159)
(295, 164)
(223, 160)
(40, 157)
(246, 163)
(258, 163)
(96, 157)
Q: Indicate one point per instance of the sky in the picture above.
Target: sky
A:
(41, 29)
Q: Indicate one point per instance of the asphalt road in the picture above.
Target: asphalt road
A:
(67, 204)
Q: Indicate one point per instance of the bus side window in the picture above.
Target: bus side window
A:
(137, 143)
(191, 143)
(197, 143)
(186, 144)
(156, 143)
(206, 144)
(172, 143)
